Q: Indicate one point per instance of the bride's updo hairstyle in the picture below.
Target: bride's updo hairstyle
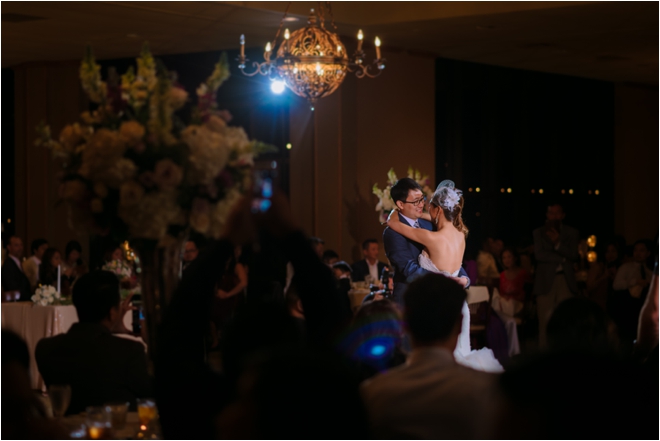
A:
(450, 199)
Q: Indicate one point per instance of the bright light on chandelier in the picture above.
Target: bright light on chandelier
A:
(312, 62)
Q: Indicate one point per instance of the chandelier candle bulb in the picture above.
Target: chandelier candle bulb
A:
(287, 34)
(360, 38)
(268, 47)
(242, 45)
(377, 43)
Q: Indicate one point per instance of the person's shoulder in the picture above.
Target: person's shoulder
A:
(538, 231)
(359, 263)
(383, 381)
(129, 343)
(50, 344)
(425, 224)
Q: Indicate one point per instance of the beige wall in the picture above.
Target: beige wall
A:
(636, 162)
(350, 142)
(48, 92)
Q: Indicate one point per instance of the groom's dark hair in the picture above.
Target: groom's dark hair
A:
(433, 305)
(399, 191)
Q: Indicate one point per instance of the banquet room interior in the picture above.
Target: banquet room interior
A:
(207, 211)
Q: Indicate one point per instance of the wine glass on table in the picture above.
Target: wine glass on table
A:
(60, 398)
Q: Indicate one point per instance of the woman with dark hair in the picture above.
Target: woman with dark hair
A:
(73, 266)
(48, 271)
(229, 289)
(602, 273)
(513, 281)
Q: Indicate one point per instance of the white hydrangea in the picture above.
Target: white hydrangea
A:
(45, 295)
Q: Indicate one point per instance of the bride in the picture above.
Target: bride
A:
(443, 254)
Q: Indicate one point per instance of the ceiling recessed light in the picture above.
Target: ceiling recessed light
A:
(290, 19)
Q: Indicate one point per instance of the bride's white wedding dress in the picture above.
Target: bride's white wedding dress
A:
(482, 359)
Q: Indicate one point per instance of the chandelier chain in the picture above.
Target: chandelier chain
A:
(279, 30)
(332, 17)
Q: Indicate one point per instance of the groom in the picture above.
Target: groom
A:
(402, 252)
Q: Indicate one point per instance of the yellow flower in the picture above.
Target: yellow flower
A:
(130, 194)
(72, 135)
(131, 132)
(167, 175)
(96, 205)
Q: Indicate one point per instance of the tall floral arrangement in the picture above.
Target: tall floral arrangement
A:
(386, 203)
(134, 169)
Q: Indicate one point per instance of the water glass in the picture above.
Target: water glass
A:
(117, 413)
(60, 398)
(146, 410)
(98, 423)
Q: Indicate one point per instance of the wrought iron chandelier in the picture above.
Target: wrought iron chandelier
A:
(312, 62)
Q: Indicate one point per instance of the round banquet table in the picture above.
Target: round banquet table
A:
(34, 322)
(356, 296)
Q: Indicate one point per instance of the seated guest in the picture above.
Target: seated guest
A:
(509, 300)
(513, 284)
(375, 341)
(14, 281)
(31, 265)
(330, 257)
(487, 268)
(342, 270)
(48, 271)
(317, 245)
(73, 266)
(431, 396)
(631, 286)
(580, 325)
(369, 266)
(23, 414)
(99, 366)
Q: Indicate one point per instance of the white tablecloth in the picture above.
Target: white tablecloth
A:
(33, 322)
(356, 297)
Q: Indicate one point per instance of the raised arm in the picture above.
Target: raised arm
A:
(419, 235)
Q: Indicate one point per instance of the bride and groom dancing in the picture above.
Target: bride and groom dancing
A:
(417, 242)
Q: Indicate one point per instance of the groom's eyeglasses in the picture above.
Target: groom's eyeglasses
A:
(416, 202)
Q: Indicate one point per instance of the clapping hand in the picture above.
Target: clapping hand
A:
(553, 235)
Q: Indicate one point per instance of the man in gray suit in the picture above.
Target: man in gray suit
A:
(556, 250)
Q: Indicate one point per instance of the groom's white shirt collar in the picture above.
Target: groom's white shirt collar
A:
(411, 222)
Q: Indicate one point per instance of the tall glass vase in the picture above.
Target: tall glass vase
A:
(160, 266)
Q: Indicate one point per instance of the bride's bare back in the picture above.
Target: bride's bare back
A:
(446, 248)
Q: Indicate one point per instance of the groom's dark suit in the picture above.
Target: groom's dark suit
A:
(403, 254)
